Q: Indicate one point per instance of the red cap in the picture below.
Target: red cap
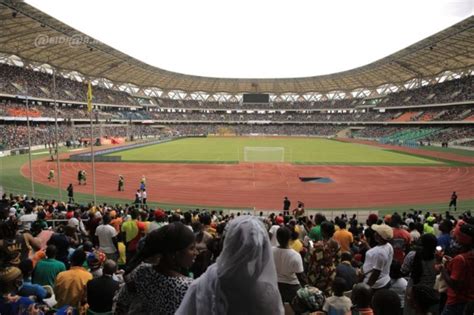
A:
(279, 220)
(159, 214)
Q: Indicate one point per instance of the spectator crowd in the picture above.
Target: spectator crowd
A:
(68, 258)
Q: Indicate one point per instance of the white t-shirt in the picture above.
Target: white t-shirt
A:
(155, 225)
(273, 232)
(399, 286)
(105, 233)
(380, 258)
(338, 305)
(79, 225)
(27, 219)
(288, 263)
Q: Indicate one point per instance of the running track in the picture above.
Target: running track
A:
(264, 185)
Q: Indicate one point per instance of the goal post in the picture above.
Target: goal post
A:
(264, 154)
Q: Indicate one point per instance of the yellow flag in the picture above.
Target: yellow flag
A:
(89, 97)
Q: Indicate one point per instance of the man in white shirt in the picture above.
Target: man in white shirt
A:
(279, 221)
(144, 196)
(28, 218)
(273, 231)
(77, 223)
(289, 266)
(107, 238)
(378, 259)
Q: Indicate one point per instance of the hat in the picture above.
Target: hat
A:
(279, 220)
(311, 297)
(93, 260)
(383, 230)
(9, 274)
(159, 214)
(12, 212)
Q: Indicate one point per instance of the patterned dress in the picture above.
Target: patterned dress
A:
(150, 292)
(322, 260)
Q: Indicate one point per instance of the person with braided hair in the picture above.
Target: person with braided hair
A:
(155, 280)
(420, 266)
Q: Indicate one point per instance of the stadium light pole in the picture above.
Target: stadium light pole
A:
(56, 135)
(29, 140)
(92, 152)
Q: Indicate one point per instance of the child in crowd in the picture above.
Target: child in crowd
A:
(338, 304)
(397, 282)
(361, 297)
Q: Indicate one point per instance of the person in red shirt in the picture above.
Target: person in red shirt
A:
(401, 239)
(459, 271)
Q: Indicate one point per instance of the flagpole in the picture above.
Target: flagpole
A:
(29, 141)
(89, 106)
(56, 135)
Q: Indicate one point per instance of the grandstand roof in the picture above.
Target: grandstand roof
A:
(35, 36)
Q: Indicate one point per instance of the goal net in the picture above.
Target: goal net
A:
(264, 154)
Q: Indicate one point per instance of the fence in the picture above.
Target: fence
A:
(362, 215)
(98, 155)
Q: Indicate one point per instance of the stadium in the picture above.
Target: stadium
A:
(84, 126)
(406, 104)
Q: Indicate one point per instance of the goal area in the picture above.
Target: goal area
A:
(264, 154)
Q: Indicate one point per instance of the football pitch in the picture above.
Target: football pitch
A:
(268, 149)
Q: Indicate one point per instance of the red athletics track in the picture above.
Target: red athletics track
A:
(264, 185)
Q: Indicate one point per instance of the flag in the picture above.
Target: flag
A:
(89, 97)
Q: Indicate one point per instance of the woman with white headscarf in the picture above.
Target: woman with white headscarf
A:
(243, 280)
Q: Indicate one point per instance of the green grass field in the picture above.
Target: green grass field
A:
(250, 149)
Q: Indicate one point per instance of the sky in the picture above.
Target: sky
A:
(258, 38)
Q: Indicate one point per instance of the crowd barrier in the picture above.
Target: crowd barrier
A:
(362, 215)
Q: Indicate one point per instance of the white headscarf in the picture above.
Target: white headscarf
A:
(243, 280)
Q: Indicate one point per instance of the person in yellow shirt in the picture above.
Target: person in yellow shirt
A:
(51, 175)
(70, 285)
(343, 237)
(295, 242)
(132, 231)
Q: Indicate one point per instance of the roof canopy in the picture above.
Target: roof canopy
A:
(37, 37)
